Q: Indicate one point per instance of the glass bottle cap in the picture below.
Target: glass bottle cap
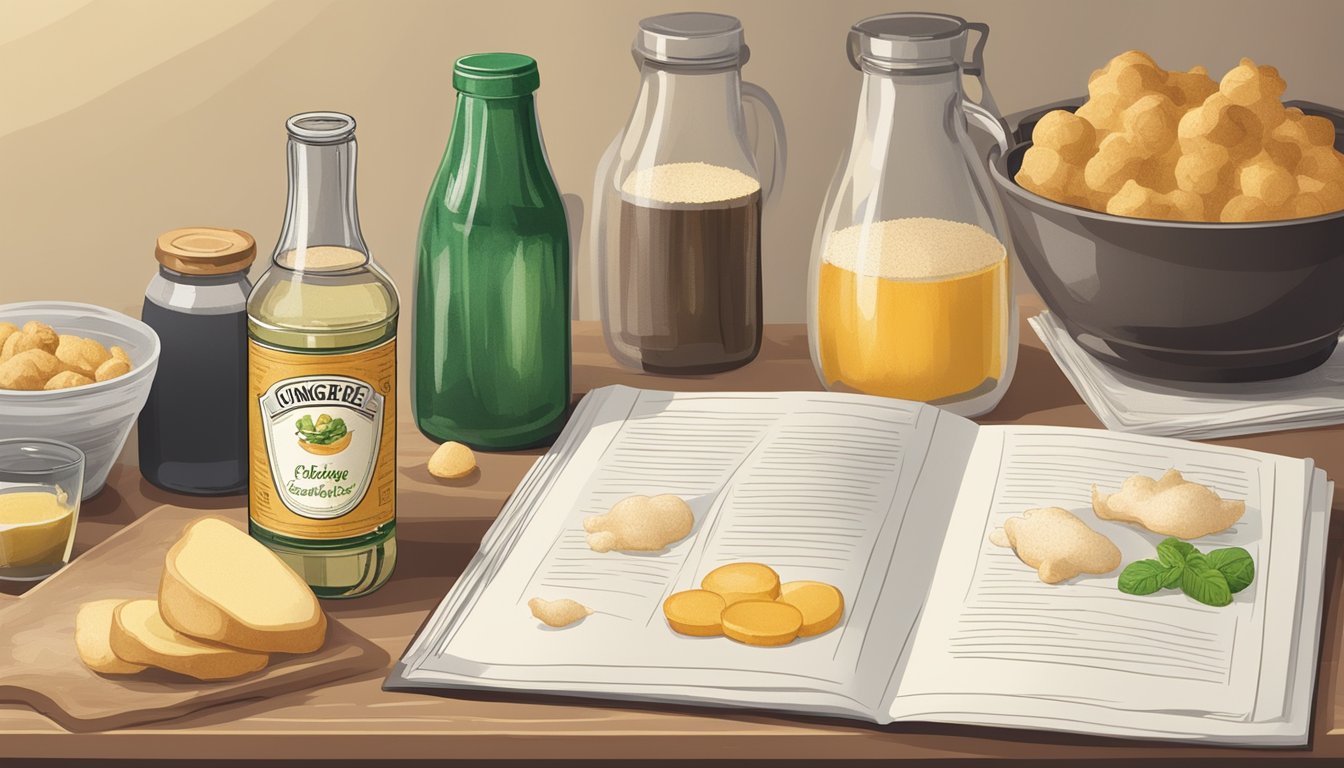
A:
(908, 40)
(691, 38)
(321, 127)
(496, 75)
(206, 250)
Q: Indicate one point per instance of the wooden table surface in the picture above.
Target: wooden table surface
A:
(440, 527)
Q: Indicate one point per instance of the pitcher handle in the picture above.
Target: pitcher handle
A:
(774, 178)
(976, 66)
(990, 122)
(986, 113)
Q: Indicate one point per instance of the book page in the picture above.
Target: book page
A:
(995, 639)
(816, 485)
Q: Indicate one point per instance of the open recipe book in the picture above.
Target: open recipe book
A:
(892, 502)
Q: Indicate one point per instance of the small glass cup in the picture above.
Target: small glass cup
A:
(41, 482)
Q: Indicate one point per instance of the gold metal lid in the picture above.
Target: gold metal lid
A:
(206, 250)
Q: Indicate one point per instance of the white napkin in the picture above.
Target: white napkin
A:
(1127, 402)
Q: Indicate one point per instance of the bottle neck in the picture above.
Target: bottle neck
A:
(496, 145)
(711, 101)
(321, 230)
(910, 99)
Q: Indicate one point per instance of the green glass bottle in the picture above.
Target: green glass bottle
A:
(492, 335)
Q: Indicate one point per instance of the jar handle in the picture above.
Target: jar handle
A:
(986, 113)
(773, 179)
(990, 122)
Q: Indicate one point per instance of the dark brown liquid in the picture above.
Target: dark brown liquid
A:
(690, 281)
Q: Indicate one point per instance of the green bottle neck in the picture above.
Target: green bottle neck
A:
(496, 155)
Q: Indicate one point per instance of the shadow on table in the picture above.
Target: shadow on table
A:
(1038, 386)
(430, 557)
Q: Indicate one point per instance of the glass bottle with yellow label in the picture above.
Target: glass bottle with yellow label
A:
(322, 378)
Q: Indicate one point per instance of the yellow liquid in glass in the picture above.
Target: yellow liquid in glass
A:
(337, 303)
(913, 309)
(35, 528)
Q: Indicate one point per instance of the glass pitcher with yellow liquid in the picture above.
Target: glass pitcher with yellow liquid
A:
(910, 292)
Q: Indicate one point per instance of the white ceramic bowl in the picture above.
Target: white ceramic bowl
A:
(96, 418)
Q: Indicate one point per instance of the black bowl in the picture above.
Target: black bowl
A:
(1181, 300)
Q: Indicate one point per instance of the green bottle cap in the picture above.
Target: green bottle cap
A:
(496, 75)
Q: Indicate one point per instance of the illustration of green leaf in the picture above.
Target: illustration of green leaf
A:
(1203, 582)
(1144, 577)
(1172, 552)
(1173, 576)
(1236, 566)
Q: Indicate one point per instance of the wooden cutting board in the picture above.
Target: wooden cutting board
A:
(40, 667)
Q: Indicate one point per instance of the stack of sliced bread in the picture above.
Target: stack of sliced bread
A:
(225, 603)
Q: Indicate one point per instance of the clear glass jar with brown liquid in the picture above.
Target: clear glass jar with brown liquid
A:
(677, 202)
(910, 292)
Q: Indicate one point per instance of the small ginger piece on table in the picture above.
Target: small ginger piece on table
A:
(452, 461)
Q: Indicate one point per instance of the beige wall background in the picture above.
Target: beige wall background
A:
(123, 118)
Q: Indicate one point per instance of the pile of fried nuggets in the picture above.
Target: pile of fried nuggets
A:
(1154, 144)
(36, 357)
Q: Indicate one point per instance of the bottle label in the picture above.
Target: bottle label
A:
(322, 429)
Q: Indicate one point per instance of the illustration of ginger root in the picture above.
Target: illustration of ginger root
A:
(558, 613)
(640, 524)
(1057, 544)
(1170, 505)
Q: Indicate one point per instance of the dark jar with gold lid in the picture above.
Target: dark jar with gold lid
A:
(193, 429)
